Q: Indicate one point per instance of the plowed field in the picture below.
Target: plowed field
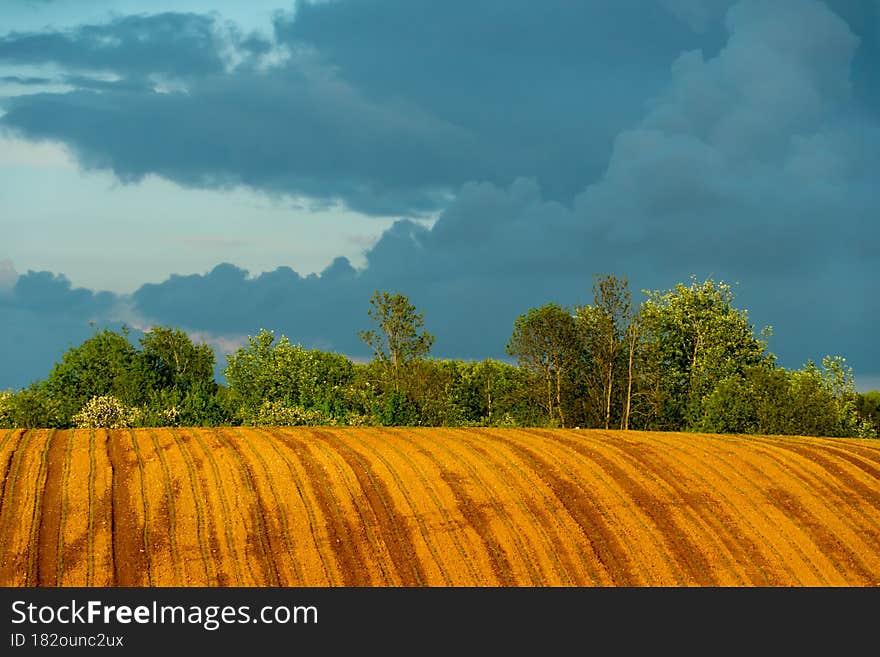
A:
(435, 507)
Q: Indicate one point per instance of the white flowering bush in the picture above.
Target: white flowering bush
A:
(355, 419)
(277, 414)
(170, 417)
(106, 412)
(506, 420)
(5, 408)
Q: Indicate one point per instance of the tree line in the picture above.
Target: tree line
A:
(684, 359)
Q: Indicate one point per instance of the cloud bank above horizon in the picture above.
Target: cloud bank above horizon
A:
(511, 159)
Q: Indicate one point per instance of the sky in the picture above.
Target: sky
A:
(223, 167)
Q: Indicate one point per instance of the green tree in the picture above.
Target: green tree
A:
(633, 356)
(839, 382)
(545, 341)
(607, 336)
(429, 385)
(764, 399)
(29, 408)
(397, 341)
(321, 377)
(868, 407)
(182, 390)
(757, 400)
(104, 365)
(494, 393)
(260, 372)
(268, 371)
(174, 361)
(694, 337)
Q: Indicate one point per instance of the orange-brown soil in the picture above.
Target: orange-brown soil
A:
(333, 506)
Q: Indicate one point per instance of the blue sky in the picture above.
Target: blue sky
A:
(228, 166)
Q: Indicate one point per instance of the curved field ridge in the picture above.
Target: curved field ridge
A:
(435, 507)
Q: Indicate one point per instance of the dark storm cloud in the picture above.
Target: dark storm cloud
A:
(226, 301)
(545, 87)
(386, 105)
(43, 316)
(297, 133)
(43, 290)
(32, 342)
(178, 44)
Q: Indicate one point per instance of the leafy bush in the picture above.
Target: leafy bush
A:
(277, 414)
(394, 408)
(868, 408)
(29, 408)
(198, 406)
(768, 400)
(6, 398)
(278, 371)
(354, 419)
(730, 408)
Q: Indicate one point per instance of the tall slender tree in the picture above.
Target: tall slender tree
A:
(398, 338)
(545, 342)
(632, 354)
(605, 327)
